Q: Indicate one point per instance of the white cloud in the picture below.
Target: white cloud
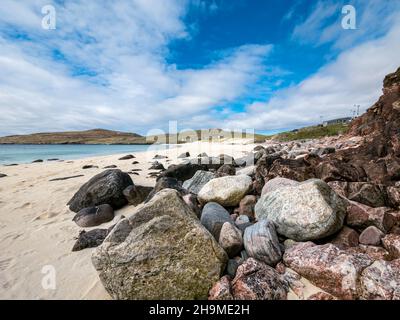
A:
(355, 77)
(124, 43)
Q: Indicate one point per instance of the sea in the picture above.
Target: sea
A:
(10, 154)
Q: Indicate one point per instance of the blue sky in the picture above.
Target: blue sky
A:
(135, 65)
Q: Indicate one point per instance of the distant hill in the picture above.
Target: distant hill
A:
(101, 136)
(96, 136)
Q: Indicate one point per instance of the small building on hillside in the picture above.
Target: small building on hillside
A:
(337, 121)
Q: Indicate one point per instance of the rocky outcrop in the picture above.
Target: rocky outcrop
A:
(227, 191)
(104, 188)
(392, 244)
(329, 268)
(311, 210)
(160, 252)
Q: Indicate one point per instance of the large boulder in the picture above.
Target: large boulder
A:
(261, 242)
(255, 280)
(277, 183)
(227, 191)
(327, 267)
(213, 217)
(161, 252)
(198, 181)
(308, 211)
(381, 281)
(104, 188)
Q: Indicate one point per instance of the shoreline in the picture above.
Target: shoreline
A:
(36, 228)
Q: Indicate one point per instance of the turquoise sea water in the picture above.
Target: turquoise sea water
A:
(27, 153)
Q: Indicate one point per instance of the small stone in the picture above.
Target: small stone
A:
(246, 206)
(242, 220)
(346, 238)
(230, 239)
(213, 217)
(232, 266)
(94, 216)
(127, 157)
(371, 236)
(261, 242)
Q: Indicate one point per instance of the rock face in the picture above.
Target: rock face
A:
(198, 181)
(227, 191)
(361, 216)
(311, 210)
(277, 183)
(160, 252)
(381, 281)
(104, 188)
(255, 280)
(213, 217)
(94, 216)
(328, 267)
(261, 242)
(136, 194)
(230, 239)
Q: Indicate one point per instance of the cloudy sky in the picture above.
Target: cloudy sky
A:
(134, 65)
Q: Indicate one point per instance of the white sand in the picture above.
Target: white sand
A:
(36, 228)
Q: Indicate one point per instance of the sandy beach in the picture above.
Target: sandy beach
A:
(36, 228)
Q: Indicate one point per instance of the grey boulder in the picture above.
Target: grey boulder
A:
(308, 211)
(104, 188)
(213, 217)
(261, 242)
(161, 252)
(198, 181)
(227, 191)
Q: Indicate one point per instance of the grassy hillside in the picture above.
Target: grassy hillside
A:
(313, 132)
(96, 136)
